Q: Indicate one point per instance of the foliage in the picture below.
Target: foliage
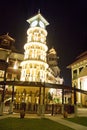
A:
(49, 96)
(56, 100)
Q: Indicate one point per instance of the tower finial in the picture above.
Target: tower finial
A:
(7, 33)
(39, 11)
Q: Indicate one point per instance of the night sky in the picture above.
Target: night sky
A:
(67, 31)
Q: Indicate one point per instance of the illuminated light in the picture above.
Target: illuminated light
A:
(40, 30)
(34, 62)
(7, 59)
(37, 44)
(35, 66)
(16, 65)
(52, 90)
(85, 83)
(41, 24)
(29, 37)
(34, 23)
(42, 39)
(36, 38)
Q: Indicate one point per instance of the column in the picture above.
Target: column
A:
(62, 101)
(75, 106)
(3, 93)
(11, 103)
(41, 107)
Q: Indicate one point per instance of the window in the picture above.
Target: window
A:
(75, 74)
(9, 76)
(80, 69)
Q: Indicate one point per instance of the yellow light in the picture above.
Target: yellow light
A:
(36, 28)
(34, 62)
(52, 90)
(16, 65)
(36, 43)
(33, 24)
(85, 83)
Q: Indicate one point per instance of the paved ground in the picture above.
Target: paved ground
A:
(82, 112)
(72, 125)
(57, 118)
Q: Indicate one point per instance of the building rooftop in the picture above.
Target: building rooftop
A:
(81, 57)
(6, 36)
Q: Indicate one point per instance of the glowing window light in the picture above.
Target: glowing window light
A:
(42, 30)
(33, 24)
(35, 62)
(29, 38)
(41, 24)
(7, 59)
(85, 83)
(35, 38)
(16, 65)
(52, 91)
(36, 43)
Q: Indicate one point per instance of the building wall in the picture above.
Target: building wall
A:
(78, 77)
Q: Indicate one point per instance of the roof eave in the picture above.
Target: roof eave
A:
(36, 17)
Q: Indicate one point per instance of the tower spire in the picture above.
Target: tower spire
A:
(39, 11)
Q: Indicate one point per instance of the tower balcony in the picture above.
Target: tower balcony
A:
(33, 62)
(35, 45)
(35, 59)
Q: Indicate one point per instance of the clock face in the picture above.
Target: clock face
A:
(41, 24)
(34, 23)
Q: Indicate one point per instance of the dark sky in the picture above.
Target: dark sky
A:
(67, 31)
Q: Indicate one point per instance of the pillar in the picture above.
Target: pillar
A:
(41, 107)
(75, 105)
(62, 101)
(3, 93)
(11, 103)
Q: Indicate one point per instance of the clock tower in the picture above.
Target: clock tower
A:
(34, 66)
(38, 21)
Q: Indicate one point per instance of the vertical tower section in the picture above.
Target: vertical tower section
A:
(34, 66)
(53, 62)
